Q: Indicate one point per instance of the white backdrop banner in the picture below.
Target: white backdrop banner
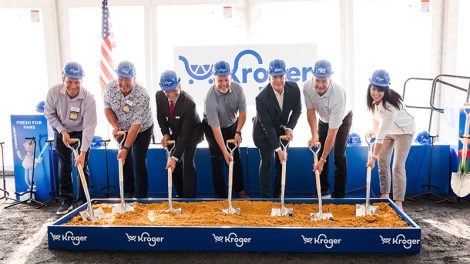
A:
(248, 63)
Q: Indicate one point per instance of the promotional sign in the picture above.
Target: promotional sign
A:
(29, 135)
(249, 64)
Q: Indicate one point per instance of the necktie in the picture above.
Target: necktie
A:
(172, 107)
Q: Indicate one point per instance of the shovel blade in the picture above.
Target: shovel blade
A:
(460, 183)
(321, 216)
(92, 217)
(174, 210)
(283, 211)
(361, 210)
(231, 210)
(122, 208)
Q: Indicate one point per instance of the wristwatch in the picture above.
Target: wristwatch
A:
(239, 133)
(126, 148)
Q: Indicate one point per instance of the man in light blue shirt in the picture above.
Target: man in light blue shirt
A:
(329, 100)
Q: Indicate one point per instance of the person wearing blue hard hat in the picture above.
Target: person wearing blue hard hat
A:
(179, 121)
(70, 110)
(393, 127)
(127, 108)
(278, 107)
(327, 101)
(40, 106)
(224, 118)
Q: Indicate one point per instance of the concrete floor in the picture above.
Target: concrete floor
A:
(445, 239)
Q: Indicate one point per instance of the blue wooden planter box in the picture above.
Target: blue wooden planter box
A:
(236, 238)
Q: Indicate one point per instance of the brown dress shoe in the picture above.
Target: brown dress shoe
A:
(242, 194)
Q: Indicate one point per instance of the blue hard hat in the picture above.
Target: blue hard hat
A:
(221, 68)
(277, 67)
(423, 138)
(40, 106)
(96, 142)
(380, 78)
(354, 138)
(169, 80)
(322, 69)
(73, 70)
(126, 69)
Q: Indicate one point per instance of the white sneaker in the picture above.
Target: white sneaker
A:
(328, 196)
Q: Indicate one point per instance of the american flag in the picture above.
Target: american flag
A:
(107, 65)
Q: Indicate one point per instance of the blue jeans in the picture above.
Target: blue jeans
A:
(135, 167)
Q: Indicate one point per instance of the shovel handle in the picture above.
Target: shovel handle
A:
(281, 138)
(120, 133)
(317, 182)
(231, 141)
(74, 140)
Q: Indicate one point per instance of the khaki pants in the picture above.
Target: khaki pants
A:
(401, 145)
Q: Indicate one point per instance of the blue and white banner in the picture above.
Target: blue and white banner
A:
(249, 65)
(24, 129)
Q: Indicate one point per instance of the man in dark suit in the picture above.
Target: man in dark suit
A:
(278, 108)
(179, 121)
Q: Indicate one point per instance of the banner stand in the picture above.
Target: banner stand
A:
(6, 194)
(31, 192)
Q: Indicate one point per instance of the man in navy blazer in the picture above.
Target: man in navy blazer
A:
(179, 120)
(278, 107)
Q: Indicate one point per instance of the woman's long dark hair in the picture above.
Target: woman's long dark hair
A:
(390, 96)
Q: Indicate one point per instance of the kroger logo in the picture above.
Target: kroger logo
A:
(240, 74)
(126, 71)
(68, 236)
(400, 240)
(75, 71)
(232, 238)
(322, 239)
(145, 238)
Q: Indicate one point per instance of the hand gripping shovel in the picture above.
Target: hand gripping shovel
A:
(122, 207)
(169, 152)
(320, 215)
(367, 209)
(283, 211)
(89, 214)
(460, 181)
(230, 209)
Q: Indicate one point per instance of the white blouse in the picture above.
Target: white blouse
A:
(393, 121)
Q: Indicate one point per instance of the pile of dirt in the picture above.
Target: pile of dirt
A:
(253, 214)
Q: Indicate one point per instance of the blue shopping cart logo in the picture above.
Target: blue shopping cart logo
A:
(258, 73)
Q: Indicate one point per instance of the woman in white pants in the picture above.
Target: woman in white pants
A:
(394, 128)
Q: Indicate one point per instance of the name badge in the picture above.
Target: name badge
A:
(128, 107)
(75, 109)
(73, 115)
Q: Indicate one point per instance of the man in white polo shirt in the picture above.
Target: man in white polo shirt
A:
(329, 100)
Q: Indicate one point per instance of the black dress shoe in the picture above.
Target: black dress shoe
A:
(64, 208)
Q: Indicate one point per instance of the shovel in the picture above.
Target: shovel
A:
(230, 209)
(89, 214)
(283, 211)
(122, 207)
(169, 152)
(367, 209)
(320, 215)
(460, 181)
